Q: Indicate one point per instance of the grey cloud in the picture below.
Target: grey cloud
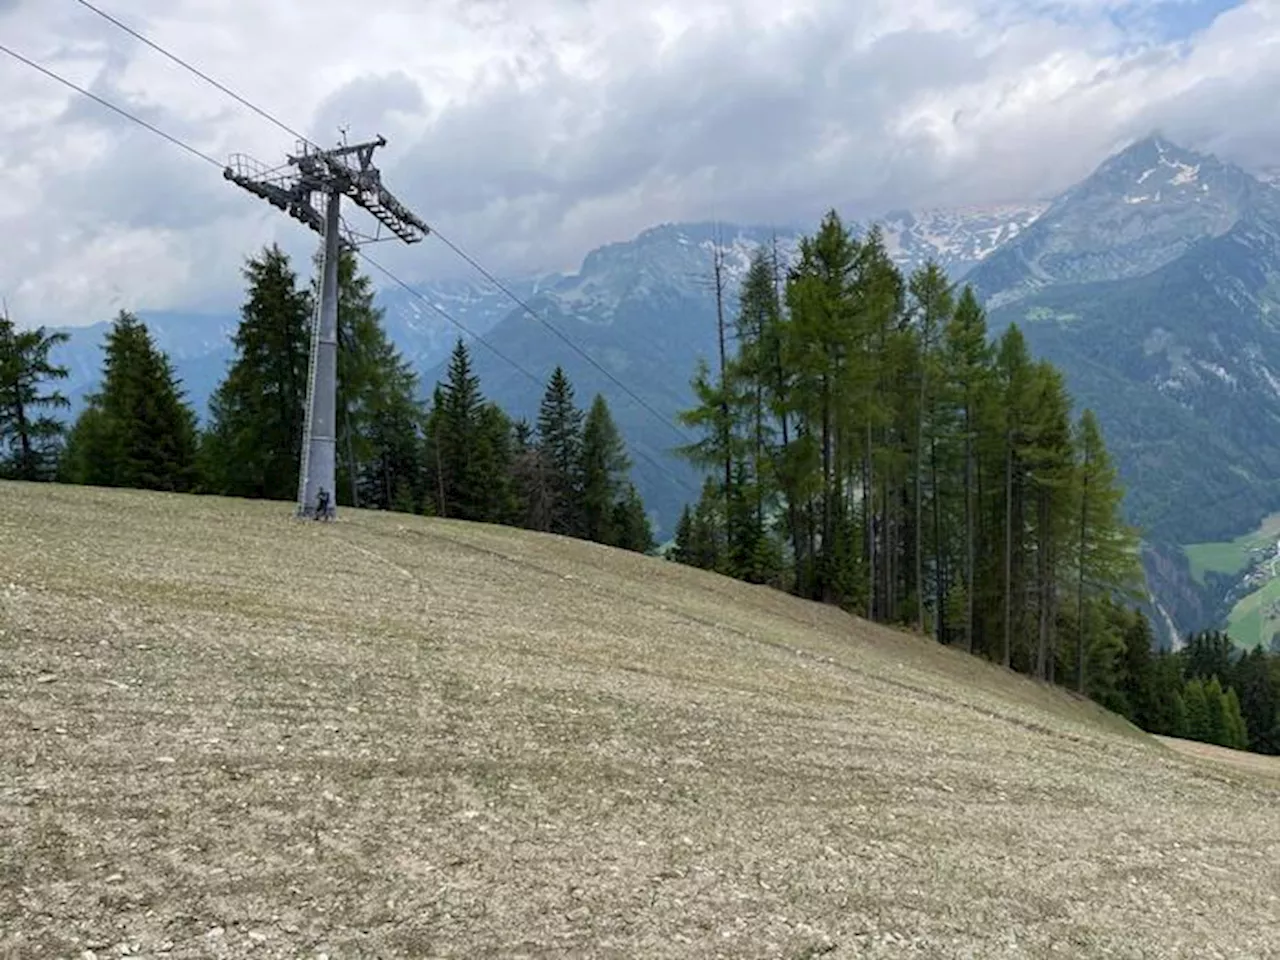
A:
(139, 181)
(737, 119)
(134, 185)
(533, 169)
(367, 104)
(1221, 116)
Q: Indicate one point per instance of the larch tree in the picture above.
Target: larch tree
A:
(1107, 550)
(560, 439)
(931, 310)
(604, 469)
(30, 437)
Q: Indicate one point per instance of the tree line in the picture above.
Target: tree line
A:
(868, 445)
(1209, 690)
(457, 456)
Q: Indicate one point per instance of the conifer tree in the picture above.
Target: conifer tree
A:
(393, 477)
(932, 307)
(531, 475)
(1138, 679)
(253, 446)
(1208, 654)
(379, 418)
(1107, 555)
(631, 528)
(700, 540)
(758, 320)
(1217, 729)
(1235, 731)
(29, 437)
(457, 464)
(1106, 655)
(1259, 699)
(1050, 457)
(137, 430)
(1199, 721)
(917, 472)
(603, 471)
(560, 438)
(1168, 709)
(968, 366)
(1015, 377)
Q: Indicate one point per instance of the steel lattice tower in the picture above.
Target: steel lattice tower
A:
(310, 188)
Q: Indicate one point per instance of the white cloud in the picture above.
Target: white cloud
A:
(532, 131)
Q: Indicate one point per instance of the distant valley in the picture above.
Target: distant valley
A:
(1244, 574)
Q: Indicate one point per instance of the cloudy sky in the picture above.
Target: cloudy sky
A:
(531, 131)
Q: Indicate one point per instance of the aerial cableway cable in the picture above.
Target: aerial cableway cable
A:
(453, 246)
(435, 307)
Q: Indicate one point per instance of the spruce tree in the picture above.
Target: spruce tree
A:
(631, 529)
(682, 545)
(1209, 654)
(29, 437)
(1138, 673)
(1199, 721)
(1106, 654)
(1217, 730)
(457, 461)
(379, 418)
(1235, 730)
(531, 476)
(1168, 707)
(393, 475)
(253, 446)
(1259, 700)
(560, 439)
(137, 430)
(493, 490)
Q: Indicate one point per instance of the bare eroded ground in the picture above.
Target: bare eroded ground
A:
(224, 733)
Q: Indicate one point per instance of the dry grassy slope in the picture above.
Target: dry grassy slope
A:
(226, 733)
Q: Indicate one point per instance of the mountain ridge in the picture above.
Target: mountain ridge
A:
(1142, 208)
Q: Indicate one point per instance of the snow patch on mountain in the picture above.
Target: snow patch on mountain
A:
(1186, 174)
(956, 239)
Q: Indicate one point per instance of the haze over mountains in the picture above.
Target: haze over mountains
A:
(1152, 284)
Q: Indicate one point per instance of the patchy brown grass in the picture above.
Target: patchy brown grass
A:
(1234, 760)
(227, 733)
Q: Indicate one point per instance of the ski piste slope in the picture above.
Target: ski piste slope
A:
(228, 733)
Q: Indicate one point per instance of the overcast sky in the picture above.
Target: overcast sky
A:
(533, 130)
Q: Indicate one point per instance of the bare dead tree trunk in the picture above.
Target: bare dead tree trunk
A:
(725, 428)
(968, 529)
(1084, 507)
(1008, 550)
(440, 477)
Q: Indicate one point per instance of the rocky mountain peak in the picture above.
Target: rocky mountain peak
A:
(1156, 172)
(1142, 208)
